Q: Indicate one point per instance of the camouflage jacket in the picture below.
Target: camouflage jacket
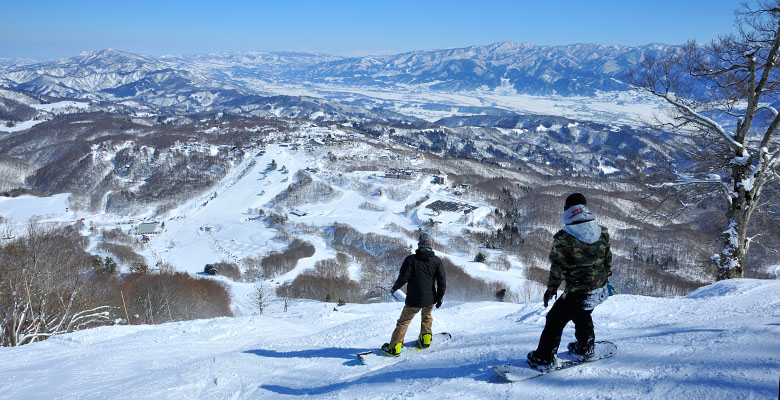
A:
(584, 267)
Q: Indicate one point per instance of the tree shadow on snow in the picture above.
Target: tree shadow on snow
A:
(331, 352)
(670, 332)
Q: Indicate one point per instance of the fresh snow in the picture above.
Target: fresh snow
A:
(720, 342)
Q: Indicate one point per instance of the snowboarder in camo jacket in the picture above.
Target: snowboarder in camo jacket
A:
(424, 276)
(581, 257)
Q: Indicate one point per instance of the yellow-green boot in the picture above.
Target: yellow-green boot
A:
(424, 340)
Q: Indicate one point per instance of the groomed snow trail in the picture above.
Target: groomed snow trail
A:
(720, 342)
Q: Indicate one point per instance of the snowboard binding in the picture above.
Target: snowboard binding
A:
(392, 351)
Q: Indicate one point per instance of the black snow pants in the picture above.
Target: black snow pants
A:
(568, 308)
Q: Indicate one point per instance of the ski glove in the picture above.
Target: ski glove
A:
(438, 303)
(610, 289)
(549, 294)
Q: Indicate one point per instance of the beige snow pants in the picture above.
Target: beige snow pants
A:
(426, 324)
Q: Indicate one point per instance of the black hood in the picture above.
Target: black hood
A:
(424, 254)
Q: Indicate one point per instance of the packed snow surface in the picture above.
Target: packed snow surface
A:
(19, 210)
(720, 342)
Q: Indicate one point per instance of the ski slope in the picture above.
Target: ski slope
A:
(19, 210)
(217, 226)
(719, 342)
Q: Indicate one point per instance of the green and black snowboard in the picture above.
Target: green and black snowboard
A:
(377, 357)
(523, 371)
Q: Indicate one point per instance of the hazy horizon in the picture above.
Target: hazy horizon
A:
(49, 30)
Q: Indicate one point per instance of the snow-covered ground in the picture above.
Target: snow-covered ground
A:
(60, 105)
(18, 210)
(49, 108)
(21, 126)
(720, 342)
(218, 227)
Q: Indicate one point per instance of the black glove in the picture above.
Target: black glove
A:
(549, 294)
(438, 303)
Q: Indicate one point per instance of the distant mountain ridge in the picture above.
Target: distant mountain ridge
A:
(203, 82)
(579, 69)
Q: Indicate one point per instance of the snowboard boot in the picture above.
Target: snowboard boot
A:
(585, 350)
(540, 363)
(424, 340)
(392, 351)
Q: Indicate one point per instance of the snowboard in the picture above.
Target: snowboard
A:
(376, 357)
(514, 373)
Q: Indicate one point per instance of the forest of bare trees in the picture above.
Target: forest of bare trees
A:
(50, 285)
(279, 263)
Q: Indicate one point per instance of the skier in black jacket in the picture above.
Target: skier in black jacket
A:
(423, 275)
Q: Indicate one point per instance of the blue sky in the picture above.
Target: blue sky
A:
(55, 29)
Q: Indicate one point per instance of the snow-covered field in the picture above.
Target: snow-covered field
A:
(621, 107)
(720, 342)
(21, 126)
(61, 104)
(218, 226)
(50, 108)
(19, 210)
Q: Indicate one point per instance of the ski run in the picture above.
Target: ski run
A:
(719, 342)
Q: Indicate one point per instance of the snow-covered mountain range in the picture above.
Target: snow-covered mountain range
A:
(580, 69)
(207, 82)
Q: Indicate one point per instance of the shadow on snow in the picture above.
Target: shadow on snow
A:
(330, 352)
(477, 371)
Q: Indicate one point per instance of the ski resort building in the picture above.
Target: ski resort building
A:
(147, 228)
(400, 174)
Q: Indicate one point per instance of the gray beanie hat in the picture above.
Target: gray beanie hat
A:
(425, 241)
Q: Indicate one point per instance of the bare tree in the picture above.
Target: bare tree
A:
(261, 296)
(45, 285)
(721, 97)
(286, 295)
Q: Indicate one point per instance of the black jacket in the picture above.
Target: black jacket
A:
(425, 277)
